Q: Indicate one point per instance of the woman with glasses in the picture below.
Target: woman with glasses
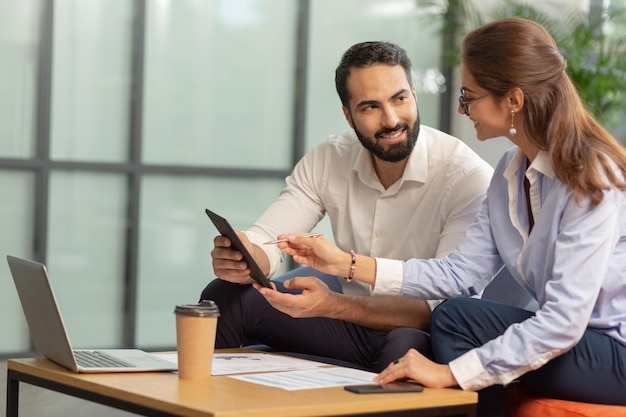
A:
(555, 216)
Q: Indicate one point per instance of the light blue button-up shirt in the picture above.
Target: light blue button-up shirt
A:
(573, 262)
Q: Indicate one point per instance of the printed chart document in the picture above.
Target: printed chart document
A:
(283, 372)
(310, 378)
(239, 363)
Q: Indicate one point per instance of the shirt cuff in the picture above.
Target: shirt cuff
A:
(469, 372)
(433, 303)
(388, 277)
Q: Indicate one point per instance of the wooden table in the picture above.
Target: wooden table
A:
(163, 394)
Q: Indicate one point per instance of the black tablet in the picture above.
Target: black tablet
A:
(226, 230)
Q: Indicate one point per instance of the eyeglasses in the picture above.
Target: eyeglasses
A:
(465, 103)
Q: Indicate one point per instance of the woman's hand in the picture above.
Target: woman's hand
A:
(418, 368)
(317, 252)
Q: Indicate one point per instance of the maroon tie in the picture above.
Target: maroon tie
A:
(531, 220)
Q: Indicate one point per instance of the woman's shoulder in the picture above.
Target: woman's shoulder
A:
(506, 159)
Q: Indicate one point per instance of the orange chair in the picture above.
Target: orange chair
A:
(522, 402)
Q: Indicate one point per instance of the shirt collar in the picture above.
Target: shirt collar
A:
(417, 167)
(540, 164)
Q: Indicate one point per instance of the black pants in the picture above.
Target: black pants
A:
(592, 371)
(245, 315)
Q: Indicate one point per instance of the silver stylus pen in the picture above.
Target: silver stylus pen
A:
(274, 242)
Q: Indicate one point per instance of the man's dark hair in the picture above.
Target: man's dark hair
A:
(366, 54)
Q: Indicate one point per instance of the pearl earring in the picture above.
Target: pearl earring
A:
(512, 130)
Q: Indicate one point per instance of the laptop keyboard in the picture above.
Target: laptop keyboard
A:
(95, 359)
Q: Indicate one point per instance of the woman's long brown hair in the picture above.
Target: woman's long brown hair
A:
(517, 52)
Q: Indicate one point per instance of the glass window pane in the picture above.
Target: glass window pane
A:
(176, 238)
(337, 25)
(16, 222)
(91, 80)
(219, 82)
(19, 49)
(86, 254)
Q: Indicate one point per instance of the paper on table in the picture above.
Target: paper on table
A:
(311, 378)
(238, 363)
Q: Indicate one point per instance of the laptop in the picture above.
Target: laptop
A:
(50, 337)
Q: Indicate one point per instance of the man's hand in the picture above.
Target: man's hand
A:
(228, 264)
(316, 299)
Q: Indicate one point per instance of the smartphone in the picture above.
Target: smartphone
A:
(226, 230)
(384, 388)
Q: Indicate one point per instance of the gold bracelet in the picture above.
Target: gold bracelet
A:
(352, 267)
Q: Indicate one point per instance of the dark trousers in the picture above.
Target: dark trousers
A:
(245, 315)
(593, 371)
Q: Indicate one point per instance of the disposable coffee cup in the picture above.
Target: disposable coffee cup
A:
(196, 325)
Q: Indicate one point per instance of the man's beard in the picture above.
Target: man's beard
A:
(396, 152)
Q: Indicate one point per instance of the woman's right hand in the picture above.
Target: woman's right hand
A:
(317, 252)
